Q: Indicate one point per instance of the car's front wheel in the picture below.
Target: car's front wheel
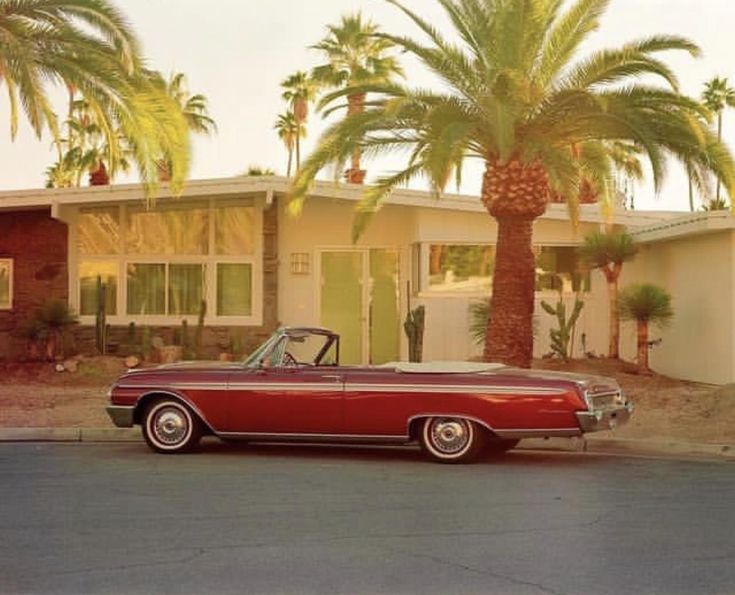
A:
(170, 427)
(451, 439)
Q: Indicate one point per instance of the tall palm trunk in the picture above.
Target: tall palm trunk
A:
(643, 347)
(719, 138)
(691, 189)
(612, 273)
(298, 146)
(290, 160)
(515, 194)
(355, 105)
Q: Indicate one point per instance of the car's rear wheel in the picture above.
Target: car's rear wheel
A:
(452, 439)
(171, 427)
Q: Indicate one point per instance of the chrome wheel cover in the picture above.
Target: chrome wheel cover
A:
(170, 425)
(450, 436)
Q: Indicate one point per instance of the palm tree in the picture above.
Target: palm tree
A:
(608, 252)
(355, 57)
(288, 131)
(88, 46)
(194, 108)
(717, 96)
(299, 91)
(514, 96)
(645, 304)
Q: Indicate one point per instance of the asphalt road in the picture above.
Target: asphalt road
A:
(115, 518)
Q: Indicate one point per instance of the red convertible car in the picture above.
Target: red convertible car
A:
(293, 388)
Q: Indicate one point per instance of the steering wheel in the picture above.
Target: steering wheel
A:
(289, 361)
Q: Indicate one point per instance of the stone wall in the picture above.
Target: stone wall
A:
(38, 246)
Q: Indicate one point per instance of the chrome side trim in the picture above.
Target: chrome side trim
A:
(375, 388)
(454, 388)
(286, 436)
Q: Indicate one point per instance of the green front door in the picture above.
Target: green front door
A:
(360, 301)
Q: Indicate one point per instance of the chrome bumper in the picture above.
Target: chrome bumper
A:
(596, 421)
(121, 416)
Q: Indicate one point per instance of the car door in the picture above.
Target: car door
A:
(295, 401)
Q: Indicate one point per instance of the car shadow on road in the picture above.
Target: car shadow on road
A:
(370, 453)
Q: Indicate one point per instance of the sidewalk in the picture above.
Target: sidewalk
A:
(592, 444)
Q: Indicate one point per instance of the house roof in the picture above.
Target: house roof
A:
(684, 225)
(14, 200)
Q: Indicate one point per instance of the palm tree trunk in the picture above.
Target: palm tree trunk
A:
(611, 276)
(298, 147)
(719, 138)
(691, 190)
(643, 347)
(355, 105)
(509, 337)
(290, 159)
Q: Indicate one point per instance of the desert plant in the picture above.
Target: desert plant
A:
(646, 304)
(561, 336)
(49, 323)
(479, 320)
(146, 343)
(100, 318)
(608, 252)
(199, 333)
(414, 329)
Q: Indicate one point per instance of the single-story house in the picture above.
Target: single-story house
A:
(231, 244)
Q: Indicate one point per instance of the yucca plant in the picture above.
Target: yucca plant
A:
(646, 304)
(608, 252)
(516, 95)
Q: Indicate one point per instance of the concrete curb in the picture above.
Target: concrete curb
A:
(665, 448)
(70, 435)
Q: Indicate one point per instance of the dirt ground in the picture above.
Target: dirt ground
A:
(34, 395)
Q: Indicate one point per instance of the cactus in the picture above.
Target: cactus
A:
(199, 333)
(100, 320)
(562, 336)
(414, 329)
(146, 343)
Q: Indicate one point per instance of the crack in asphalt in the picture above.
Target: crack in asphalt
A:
(201, 551)
(483, 572)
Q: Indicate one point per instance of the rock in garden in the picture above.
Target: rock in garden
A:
(71, 365)
(132, 361)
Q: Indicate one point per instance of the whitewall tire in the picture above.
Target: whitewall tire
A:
(451, 439)
(169, 427)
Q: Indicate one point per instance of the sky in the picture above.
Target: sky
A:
(236, 52)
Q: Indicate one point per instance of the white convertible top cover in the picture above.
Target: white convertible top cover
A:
(443, 367)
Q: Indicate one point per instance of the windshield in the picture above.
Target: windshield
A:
(295, 347)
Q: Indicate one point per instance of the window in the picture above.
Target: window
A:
(6, 284)
(456, 268)
(558, 269)
(234, 289)
(161, 263)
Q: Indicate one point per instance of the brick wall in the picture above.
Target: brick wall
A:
(38, 246)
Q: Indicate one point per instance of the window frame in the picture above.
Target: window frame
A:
(210, 260)
(9, 304)
(422, 261)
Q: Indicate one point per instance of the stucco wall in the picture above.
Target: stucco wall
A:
(327, 224)
(698, 272)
